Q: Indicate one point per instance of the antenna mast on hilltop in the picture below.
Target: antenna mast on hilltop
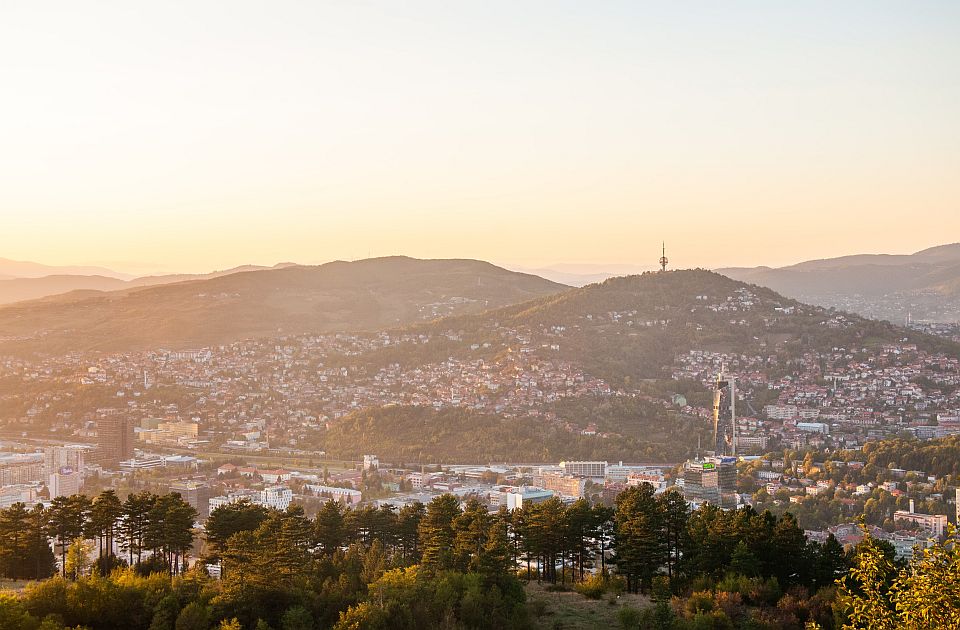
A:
(663, 258)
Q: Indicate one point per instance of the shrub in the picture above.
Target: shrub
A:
(108, 563)
(593, 587)
(153, 564)
(14, 615)
(538, 607)
(701, 583)
(730, 603)
(629, 618)
(699, 602)
(714, 620)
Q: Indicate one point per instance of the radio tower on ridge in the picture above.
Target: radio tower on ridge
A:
(663, 258)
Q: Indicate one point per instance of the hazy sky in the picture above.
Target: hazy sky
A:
(199, 135)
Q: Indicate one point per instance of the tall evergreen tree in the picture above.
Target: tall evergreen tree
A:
(105, 511)
(408, 523)
(134, 523)
(471, 529)
(675, 514)
(24, 546)
(639, 542)
(227, 520)
(436, 533)
(582, 535)
(67, 520)
(329, 527)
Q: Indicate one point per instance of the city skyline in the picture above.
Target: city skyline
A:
(527, 136)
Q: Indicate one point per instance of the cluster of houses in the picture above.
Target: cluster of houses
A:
(840, 398)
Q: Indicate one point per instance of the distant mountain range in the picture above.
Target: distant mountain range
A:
(25, 269)
(628, 331)
(922, 286)
(365, 295)
(19, 288)
(59, 312)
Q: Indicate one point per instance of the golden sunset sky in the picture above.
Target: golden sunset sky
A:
(200, 135)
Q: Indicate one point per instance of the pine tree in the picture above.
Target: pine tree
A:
(178, 520)
(471, 529)
(496, 558)
(329, 527)
(546, 532)
(603, 526)
(743, 562)
(675, 514)
(831, 562)
(582, 535)
(639, 542)
(134, 524)
(436, 533)
(104, 514)
(408, 523)
(24, 544)
(41, 562)
(66, 522)
(13, 539)
(227, 520)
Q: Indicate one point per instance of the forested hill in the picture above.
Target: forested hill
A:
(644, 432)
(366, 295)
(634, 327)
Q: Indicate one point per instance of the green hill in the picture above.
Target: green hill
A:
(633, 327)
(413, 434)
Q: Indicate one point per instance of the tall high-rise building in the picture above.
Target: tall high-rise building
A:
(65, 482)
(115, 438)
(725, 415)
(196, 493)
(72, 456)
(712, 480)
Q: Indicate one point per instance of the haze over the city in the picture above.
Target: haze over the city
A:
(190, 137)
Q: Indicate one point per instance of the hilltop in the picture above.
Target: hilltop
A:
(634, 327)
(364, 295)
(925, 284)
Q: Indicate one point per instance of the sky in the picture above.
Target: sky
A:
(190, 136)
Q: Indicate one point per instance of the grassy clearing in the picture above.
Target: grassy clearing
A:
(570, 610)
(13, 585)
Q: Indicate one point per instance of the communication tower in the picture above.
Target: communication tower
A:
(663, 257)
